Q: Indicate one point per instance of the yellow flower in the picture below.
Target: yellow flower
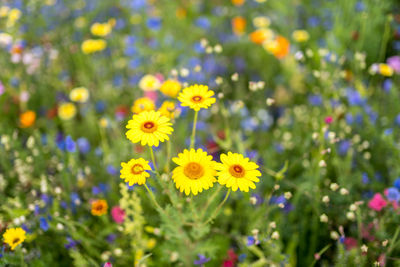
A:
(134, 171)
(197, 97)
(261, 22)
(143, 104)
(13, 16)
(149, 128)
(91, 46)
(80, 22)
(99, 207)
(151, 243)
(79, 94)
(66, 111)
(167, 109)
(196, 171)
(300, 36)
(171, 88)
(14, 236)
(235, 172)
(149, 83)
(101, 29)
(4, 11)
(385, 70)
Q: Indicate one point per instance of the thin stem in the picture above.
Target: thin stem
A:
(153, 159)
(153, 198)
(168, 156)
(210, 200)
(194, 129)
(216, 211)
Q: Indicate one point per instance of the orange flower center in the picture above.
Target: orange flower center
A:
(193, 170)
(137, 169)
(149, 127)
(197, 99)
(237, 171)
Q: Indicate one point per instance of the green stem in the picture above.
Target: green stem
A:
(194, 130)
(215, 213)
(153, 159)
(153, 198)
(210, 200)
(168, 156)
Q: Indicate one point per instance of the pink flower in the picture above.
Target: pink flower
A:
(377, 202)
(328, 120)
(394, 62)
(107, 264)
(118, 214)
(350, 243)
(152, 95)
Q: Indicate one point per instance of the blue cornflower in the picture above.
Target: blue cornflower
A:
(43, 224)
(70, 145)
(393, 194)
(202, 260)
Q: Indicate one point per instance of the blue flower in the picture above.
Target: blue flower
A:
(202, 260)
(70, 144)
(397, 183)
(393, 194)
(250, 241)
(365, 179)
(154, 23)
(43, 224)
(203, 23)
(83, 145)
(315, 100)
(344, 146)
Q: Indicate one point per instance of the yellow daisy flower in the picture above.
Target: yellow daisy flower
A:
(134, 171)
(91, 46)
(79, 94)
(300, 36)
(197, 97)
(149, 128)
(149, 83)
(385, 70)
(236, 171)
(101, 29)
(196, 171)
(167, 109)
(14, 236)
(99, 207)
(142, 104)
(66, 111)
(170, 88)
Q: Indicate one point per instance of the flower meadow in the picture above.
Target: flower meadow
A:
(200, 133)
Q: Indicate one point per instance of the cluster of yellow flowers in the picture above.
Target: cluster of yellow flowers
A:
(98, 29)
(196, 170)
(67, 110)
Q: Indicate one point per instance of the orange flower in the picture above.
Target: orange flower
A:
(99, 207)
(238, 25)
(27, 119)
(278, 47)
(259, 36)
(238, 2)
(180, 13)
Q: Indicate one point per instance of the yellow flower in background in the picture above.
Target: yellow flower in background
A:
(4, 11)
(196, 171)
(134, 171)
(261, 22)
(197, 97)
(143, 104)
(80, 22)
(300, 36)
(14, 236)
(149, 128)
(151, 243)
(50, 2)
(101, 29)
(171, 88)
(237, 172)
(99, 207)
(149, 83)
(91, 46)
(138, 255)
(385, 70)
(79, 94)
(66, 111)
(104, 122)
(13, 15)
(167, 109)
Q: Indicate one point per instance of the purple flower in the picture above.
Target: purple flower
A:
(394, 62)
(202, 260)
(83, 145)
(250, 241)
